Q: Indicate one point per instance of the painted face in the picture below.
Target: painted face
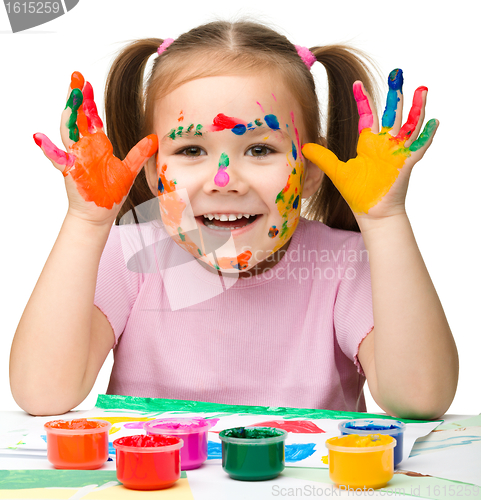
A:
(230, 168)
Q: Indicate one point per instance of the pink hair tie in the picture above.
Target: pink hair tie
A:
(164, 45)
(306, 55)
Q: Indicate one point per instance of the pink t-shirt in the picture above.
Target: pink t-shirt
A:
(288, 337)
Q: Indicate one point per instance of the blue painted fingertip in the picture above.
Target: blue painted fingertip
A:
(396, 79)
(395, 82)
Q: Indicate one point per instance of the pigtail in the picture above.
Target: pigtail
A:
(124, 110)
(343, 66)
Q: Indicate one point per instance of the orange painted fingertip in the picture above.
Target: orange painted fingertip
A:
(78, 443)
(77, 80)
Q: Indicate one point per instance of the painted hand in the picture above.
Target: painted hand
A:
(375, 182)
(97, 175)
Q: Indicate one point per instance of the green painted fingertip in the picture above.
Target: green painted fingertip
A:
(425, 136)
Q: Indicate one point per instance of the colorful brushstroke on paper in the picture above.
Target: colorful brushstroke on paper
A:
(295, 426)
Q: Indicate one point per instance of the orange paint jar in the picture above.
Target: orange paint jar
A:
(361, 461)
(77, 444)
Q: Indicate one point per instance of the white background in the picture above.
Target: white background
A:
(437, 46)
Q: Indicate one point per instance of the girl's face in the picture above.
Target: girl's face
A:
(229, 169)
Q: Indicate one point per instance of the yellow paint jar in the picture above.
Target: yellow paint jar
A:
(361, 461)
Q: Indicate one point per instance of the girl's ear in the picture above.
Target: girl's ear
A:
(151, 173)
(312, 180)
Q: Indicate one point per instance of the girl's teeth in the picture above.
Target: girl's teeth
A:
(226, 217)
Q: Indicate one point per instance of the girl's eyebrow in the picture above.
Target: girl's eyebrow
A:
(200, 132)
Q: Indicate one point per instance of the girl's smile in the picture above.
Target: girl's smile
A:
(233, 143)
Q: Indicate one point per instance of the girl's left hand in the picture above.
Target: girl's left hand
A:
(374, 184)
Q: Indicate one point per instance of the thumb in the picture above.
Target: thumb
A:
(326, 160)
(141, 152)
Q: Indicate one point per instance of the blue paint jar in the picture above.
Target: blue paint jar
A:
(365, 426)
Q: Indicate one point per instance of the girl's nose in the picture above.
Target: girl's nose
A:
(225, 178)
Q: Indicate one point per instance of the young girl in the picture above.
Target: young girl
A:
(229, 295)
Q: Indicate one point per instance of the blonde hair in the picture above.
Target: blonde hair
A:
(234, 48)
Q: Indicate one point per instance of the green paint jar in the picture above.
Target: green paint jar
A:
(253, 453)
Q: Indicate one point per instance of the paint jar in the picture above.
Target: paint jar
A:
(192, 431)
(78, 443)
(361, 461)
(253, 453)
(365, 426)
(147, 462)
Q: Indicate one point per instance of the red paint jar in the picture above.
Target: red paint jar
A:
(148, 462)
(77, 444)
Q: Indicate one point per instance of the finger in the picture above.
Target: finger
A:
(77, 80)
(392, 116)
(422, 143)
(90, 109)
(411, 128)
(325, 159)
(60, 159)
(141, 152)
(74, 102)
(367, 112)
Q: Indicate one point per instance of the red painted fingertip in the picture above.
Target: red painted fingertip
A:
(38, 140)
(94, 120)
(77, 80)
(88, 91)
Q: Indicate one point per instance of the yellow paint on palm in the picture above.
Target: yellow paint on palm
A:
(363, 181)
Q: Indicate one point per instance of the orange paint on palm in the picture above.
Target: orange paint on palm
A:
(101, 177)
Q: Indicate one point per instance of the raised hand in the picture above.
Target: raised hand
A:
(90, 168)
(375, 182)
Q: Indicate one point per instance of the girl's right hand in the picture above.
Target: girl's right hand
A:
(97, 182)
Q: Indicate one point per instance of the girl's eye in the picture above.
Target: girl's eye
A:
(192, 151)
(259, 150)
